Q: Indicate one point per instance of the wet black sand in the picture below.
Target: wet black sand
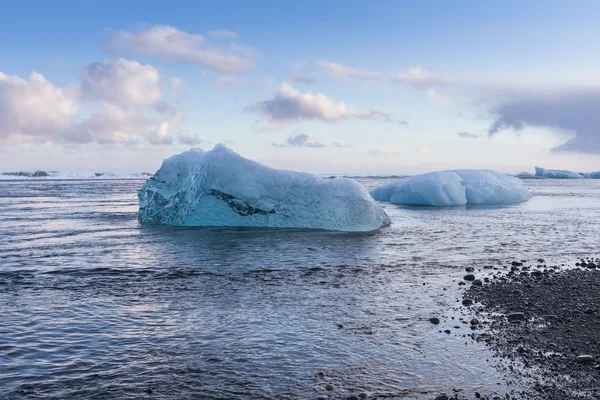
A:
(543, 324)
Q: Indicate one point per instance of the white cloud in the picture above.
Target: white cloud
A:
(573, 110)
(190, 140)
(300, 140)
(223, 34)
(468, 135)
(118, 102)
(36, 108)
(414, 77)
(440, 98)
(303, 140)
(178, 46)
(423, 150)
(126, 83)
(161, 135)
(288, 105)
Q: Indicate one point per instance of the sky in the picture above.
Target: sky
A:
(340, 87)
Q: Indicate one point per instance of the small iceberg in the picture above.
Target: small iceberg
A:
(526, 175)
(592, 175)
(454, 188)
(557, 173)
(222, 188)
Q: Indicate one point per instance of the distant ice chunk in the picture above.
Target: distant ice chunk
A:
(221, 188)
(453, 188)
(592, 175)
(557, 173)
(526, 175)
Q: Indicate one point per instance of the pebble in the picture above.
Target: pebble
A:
(585, 359)
(434, 320)
(474, 321)
(470, 269)
(514, 317)
(467, 302)
(442, 396)
(329, 386)
(469, 277)
(477, 282)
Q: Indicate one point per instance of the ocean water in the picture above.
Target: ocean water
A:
(94, 305)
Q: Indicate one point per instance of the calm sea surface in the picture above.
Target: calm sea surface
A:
(94, 305)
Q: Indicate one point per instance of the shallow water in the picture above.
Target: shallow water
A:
(95, 305)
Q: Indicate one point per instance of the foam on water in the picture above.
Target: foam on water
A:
(61, 175)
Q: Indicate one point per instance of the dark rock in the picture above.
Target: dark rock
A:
(352, 397)
(474, 321)
(585, 359)
(434, 320)
(329, 386)
(149, 390)
(515, 317)
(477, 282)
(442, 396)
(470, 269)
(516, 264)
(469, 277)
(467, 302)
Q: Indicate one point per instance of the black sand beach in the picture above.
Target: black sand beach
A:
(542, 322)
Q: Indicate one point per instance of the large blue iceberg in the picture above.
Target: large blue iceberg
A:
(221, 188)
(454, 188)
(557, 173)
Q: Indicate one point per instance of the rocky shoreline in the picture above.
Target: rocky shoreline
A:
(541, 322)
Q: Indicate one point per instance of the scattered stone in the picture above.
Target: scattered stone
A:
(477, 282)
(469, 277)
(329, 386)
(474, 321)
(561, 340)
(442, 396)
(434, 320)
(467, 302)
(470, 269)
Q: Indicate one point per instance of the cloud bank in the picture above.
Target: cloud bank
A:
(575, 110)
